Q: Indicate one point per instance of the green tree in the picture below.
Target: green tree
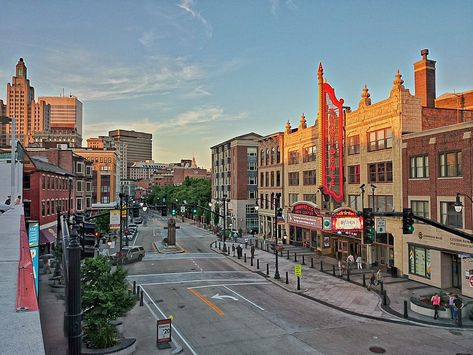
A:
(102, 223)
(105, 297)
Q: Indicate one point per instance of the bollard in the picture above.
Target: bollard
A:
(138, 291)
(219, 246)
(256, 243)
(312, 263)
(287, 277)
(385, 297)
(281, 253)
(298, 283)
(251, 261)
(141, 298)
(459, 318)
(244, 257)
(382, 286)
(322, 266)
(303, 260)
(134, 287)
(348, 274)
(364, 280)
(333, 269)
(267, 269)
(405, 309)
(288, 255)
(257, 264)
(267, 248)
(295, 256)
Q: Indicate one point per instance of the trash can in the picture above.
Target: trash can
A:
(393, 271)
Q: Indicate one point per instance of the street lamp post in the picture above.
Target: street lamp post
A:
(362, 189)
(69, 200)
(121, 195)
(458, 203)
(275, 204)
(224, 222)
(373, 188)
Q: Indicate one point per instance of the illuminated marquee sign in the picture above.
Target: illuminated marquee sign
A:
(346, 219)
(331, 139)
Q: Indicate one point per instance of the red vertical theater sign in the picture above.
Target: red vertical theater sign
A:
(331, 139)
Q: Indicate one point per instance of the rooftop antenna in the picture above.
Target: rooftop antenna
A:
(62, 92)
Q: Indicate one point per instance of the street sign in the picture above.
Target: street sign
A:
(380, 225)
(298, 270)
(327, 223)
(183, 209)
(163, 333)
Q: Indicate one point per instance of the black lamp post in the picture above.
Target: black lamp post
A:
(121, 195)
(362, 189)
(275, 204)
(458, 203)
(69, 200)
(373, 188)
(224, 222)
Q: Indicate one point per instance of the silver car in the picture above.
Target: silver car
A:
(129, 254)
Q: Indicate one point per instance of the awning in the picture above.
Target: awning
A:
(47, 236)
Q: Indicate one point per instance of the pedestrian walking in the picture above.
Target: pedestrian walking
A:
(18, 200)
(458, 306)
(233, 249)
(372, 281)
(350, 261)
(252, 251)
(8, 200)
(359, 262)
(379, 277)
(436, 303)
(451, 305)
(47, 266)
(239, 251)
(340, 268)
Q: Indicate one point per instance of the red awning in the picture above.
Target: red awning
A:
(47, 236)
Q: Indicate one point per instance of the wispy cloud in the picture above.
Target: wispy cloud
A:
(190, 122)
(274, 6)
(147, 38)
(189, 6)
(95, 78)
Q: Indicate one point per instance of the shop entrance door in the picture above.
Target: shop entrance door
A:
(456, 272)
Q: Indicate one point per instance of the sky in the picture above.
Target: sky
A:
(196, 73)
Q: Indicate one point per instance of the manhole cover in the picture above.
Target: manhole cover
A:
(377, 350)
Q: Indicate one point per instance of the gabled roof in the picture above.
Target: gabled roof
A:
(42, 165)
(243, 136)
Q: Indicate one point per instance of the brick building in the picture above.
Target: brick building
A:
(234, 177)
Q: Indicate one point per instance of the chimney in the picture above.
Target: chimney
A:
(424, 77)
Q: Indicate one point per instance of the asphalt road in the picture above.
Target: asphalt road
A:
(218, 307)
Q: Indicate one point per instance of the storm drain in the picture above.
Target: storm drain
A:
(377, 350)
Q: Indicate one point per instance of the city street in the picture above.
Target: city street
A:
(219, 307)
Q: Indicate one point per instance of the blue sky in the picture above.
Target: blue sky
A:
(196, 73)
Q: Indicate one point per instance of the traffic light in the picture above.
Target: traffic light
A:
(164, 211)
(279, 212)
(194, 210)
(136, 211)
(407, 221)
(173, 212)
(368, 226)
(88, 239)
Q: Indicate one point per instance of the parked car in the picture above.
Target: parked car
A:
(129, 254)
(138, 220)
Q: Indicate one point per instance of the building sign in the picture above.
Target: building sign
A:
(304, 208)
(331, 139)
(33, 240)
(305, 221)
(346, 219)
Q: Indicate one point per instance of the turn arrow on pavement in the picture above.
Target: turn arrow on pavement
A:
(218, 297)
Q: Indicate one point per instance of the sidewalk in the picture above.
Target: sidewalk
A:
(337, 292)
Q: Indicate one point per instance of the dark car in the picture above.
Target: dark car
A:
(129, 254)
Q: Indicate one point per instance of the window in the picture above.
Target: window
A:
(420, 208)
(449, 216)
(89, 187)
(380, 172)
(278, 178)
(381, 139)
(48, 208)
(104, 168)
(293, 178)
(354, 201)
(250, 209)
(252, 180)
(293, 157)
(419, 261)
(309, 154)
(43, 182)
(43, 208)
(450, 164)
(382, 203)
(88, 203)
(353, 145)
(261, 179)
(266, 158)
(105, 199)
(419, 167)
(251, 165)
(293, 198)
(251, 194)
(309, 197)
(354, 174)
(105, 188)
(88, 171)
(79, 186)
(278, 155)
(79, 167)
(251, 152)
(266, 175)
(309, 177)
(272, 178)
(261, 162)
(79, 204)
(273, 156)
(27, 207)
(27, 182)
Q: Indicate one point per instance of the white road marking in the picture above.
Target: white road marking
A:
(136, 237)
(173, 326)
(192, 272)
(187, 281)
(237, 284)
(246, 299)
(217, 296)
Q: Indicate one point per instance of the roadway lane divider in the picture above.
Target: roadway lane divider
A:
(204, 299)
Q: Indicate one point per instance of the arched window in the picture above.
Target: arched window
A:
(278, 156)
(273, 158)
(267, 157)
(261, 157)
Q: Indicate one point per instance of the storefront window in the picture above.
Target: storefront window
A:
(420, 261)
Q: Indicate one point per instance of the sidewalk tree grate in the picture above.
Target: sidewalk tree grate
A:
(377, 350)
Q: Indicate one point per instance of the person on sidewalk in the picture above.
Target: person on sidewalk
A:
(350, 261)
(379, 277)
(233, 249)
(340, 268)
(359, 262)
(239, 251)
(458, 306)
(436, 303)
(451, 305)
(372, 281)
(252, 251)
